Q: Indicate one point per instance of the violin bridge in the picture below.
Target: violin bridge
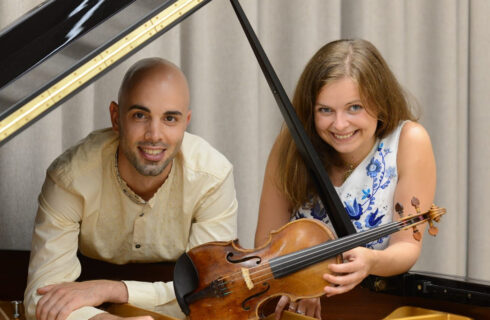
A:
(246, 278)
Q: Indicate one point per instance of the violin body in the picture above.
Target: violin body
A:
(221, 280)
(231, 282)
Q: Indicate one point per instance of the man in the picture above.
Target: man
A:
(143, 191)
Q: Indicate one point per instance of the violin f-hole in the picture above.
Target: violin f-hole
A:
(244, 303)
(230, 260)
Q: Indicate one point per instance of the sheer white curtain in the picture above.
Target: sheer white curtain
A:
(438, 49)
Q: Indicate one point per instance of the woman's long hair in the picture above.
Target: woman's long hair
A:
(379, 91)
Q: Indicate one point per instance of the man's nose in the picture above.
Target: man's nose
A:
(153, 131)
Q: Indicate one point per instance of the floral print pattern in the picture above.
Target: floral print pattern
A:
(368, 193)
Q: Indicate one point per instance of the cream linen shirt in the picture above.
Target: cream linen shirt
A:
(85, 206)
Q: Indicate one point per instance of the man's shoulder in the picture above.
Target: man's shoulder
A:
(85, 157)
(200, 156)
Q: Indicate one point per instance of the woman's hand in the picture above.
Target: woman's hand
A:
(308, 307)
(357, 265)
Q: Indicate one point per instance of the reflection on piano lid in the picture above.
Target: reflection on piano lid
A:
(61, 46)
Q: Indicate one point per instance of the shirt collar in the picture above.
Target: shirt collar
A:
(130, 193)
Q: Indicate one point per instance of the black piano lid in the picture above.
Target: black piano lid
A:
(52, 77)
(329, 197)
(47, 29)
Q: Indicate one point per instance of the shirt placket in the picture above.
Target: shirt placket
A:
(139, 234)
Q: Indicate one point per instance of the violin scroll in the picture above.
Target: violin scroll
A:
(433, 214)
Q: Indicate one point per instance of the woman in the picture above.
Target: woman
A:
(359, 120)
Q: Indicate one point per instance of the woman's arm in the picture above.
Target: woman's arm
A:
(274, 208)
(416, 177)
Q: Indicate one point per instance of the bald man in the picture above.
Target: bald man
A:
(144, 190)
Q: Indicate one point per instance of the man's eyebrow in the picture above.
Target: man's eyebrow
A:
(174, 113)
(145, 109)
(137, 106)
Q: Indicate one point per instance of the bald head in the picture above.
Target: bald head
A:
(150, 117)
(156, 71)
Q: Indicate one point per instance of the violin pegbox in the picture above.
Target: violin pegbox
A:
(416, 204)
(434, 214)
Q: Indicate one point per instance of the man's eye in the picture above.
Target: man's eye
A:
(170, 118)
(139, 115)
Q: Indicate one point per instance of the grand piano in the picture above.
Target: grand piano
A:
(50, 43)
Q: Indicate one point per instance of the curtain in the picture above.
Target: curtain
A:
(438, 50)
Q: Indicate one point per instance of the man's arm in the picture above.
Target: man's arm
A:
(53, 256)
(216, 215)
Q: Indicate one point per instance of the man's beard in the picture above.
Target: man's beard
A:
(143, 168)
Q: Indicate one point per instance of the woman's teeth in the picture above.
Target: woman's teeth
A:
(344, 136)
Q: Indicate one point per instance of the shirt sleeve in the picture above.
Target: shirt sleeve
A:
(216, 216)
(54, 246)
(149, 294)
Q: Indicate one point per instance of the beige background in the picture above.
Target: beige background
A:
(439, 50)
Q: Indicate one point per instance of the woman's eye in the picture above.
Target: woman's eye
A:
(325, 109)
(355, 107)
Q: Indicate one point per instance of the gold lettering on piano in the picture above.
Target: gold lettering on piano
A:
(85, 73)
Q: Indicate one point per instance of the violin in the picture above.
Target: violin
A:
(221, 280)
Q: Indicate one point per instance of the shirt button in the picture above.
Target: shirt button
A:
(138, 246)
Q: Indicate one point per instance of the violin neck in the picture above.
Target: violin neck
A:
(292, 262)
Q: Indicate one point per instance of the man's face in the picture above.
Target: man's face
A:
(152, 118)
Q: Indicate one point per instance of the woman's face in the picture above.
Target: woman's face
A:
(342, 120)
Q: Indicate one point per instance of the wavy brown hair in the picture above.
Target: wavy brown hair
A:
(379, 91)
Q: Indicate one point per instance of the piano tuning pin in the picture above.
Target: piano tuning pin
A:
(416, 234)
(399, 209)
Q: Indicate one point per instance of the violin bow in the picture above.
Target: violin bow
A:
(338, 216)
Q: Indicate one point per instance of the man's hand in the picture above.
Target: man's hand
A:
(309, 307)
(108, 316)
(59, 300)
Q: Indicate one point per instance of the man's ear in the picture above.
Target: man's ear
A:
(114, 111)
(189, 113)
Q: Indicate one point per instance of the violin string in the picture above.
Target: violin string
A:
(322, 251)
(293, 259)
(257, 276)
(297, 258)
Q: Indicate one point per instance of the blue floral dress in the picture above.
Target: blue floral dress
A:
(367, 194)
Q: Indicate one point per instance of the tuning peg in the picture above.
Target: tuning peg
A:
(416, 203)
(399, 209)
(416, 234)
(432, 229)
